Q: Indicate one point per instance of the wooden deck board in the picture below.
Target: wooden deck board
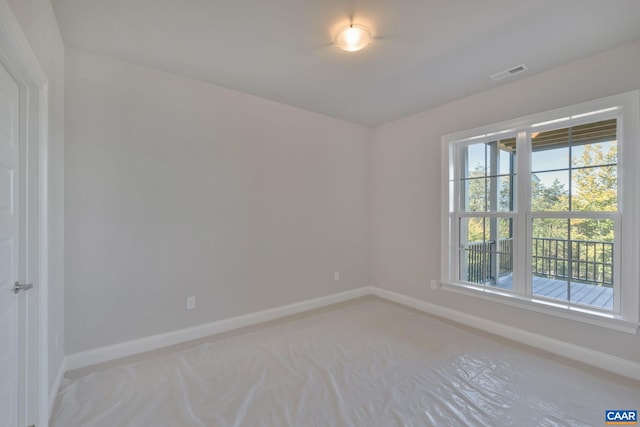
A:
(558, 290)
(592, 296)
(581, 293)
(602, 298)
(545, 286)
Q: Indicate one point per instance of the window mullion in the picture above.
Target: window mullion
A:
(627, 239)
(454, 209)
(617, 272)
(522, 266)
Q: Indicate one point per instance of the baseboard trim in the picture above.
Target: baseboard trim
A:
(591, 357)
(129, 348)
(53, 393)
(581, 354)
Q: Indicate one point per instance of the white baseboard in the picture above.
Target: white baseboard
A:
(117, 351)
(598, 359)
(591, 357)
(56, 385)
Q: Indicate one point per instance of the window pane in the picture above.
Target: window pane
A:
(592, 262)
(486, 251)
(505, 253)
(506, 199)
(549, 159)
(550, 150)
(507, 156)
(595, 189)
(505, 163)
(474, 230)
(550, 257)
(476, 160)
(550, 191)
(474, 195)
(594, 144)
(475, 250)
(572, 260)
(598, 154)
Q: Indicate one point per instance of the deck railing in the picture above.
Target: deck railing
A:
(479, 261)
(483, 258)
(581, 261)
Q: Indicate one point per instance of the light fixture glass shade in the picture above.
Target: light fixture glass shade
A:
(353, 38)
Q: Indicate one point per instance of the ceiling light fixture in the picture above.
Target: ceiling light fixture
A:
(353, 38)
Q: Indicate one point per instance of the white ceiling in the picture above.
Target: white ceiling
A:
(425, 52)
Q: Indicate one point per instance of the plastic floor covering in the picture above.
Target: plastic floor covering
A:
(368, 364)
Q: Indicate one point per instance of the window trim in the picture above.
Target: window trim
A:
(626, 108)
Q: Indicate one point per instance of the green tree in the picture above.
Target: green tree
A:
(548, 199)
(476, 201)
(596, 190)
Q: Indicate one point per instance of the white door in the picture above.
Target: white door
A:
(9, 250)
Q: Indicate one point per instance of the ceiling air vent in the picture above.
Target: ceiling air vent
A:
(510, 72)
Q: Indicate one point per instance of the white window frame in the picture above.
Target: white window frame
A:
(626, 109)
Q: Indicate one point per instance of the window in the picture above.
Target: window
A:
(541, 210)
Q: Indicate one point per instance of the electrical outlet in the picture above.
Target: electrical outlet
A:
(191, 303)
(434, 284)
(336, 276)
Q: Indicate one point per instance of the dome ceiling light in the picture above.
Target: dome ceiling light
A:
(353, 38)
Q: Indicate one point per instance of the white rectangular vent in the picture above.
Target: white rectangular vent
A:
(510, 72)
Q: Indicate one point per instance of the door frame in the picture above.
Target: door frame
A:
(19, 59)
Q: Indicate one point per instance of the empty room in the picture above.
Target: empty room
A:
(319, 213)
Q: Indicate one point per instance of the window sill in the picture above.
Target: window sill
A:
(583, 315)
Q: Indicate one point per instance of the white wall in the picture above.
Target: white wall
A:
(177, 188)
(405, 200)
(39, 25)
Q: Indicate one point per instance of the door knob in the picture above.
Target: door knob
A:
(17, 287)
